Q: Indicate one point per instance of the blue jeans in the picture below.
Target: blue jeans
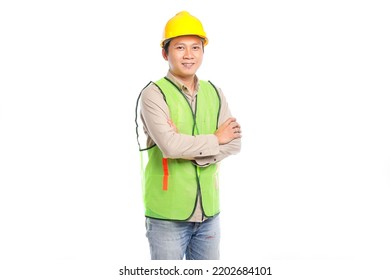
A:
(169, 240)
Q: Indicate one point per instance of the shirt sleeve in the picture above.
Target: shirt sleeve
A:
(231, 148)
(155, 116)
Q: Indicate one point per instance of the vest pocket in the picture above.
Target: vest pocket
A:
(166, 174)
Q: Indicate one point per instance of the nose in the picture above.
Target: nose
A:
(188, 53)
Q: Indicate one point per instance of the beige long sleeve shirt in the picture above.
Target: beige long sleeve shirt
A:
(203, 150)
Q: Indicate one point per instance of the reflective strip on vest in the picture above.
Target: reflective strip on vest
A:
(166, 174)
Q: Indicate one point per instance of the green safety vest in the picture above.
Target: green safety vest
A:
(171, 187)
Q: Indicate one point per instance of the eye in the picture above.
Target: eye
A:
(196, 48)
(180, 48)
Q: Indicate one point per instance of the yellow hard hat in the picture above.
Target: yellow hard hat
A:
(181, 24)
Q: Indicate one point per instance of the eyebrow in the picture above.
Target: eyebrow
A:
(181, 43)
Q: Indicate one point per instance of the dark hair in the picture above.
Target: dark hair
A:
(166, 46)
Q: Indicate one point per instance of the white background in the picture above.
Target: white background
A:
(307, 80)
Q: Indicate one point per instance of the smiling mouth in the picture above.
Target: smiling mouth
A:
(187, 65)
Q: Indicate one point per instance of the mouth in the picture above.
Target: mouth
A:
(188, 65)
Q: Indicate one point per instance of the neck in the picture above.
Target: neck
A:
(189, 82)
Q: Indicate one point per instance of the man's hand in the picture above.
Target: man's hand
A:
(228, 131)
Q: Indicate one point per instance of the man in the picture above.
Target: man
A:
(189, 130)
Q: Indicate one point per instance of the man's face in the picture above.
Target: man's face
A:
(185, 55)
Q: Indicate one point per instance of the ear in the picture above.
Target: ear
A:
(164, 54)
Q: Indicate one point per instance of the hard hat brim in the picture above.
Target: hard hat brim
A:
(165, 41)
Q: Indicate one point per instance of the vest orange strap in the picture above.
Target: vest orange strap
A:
(166, 174)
